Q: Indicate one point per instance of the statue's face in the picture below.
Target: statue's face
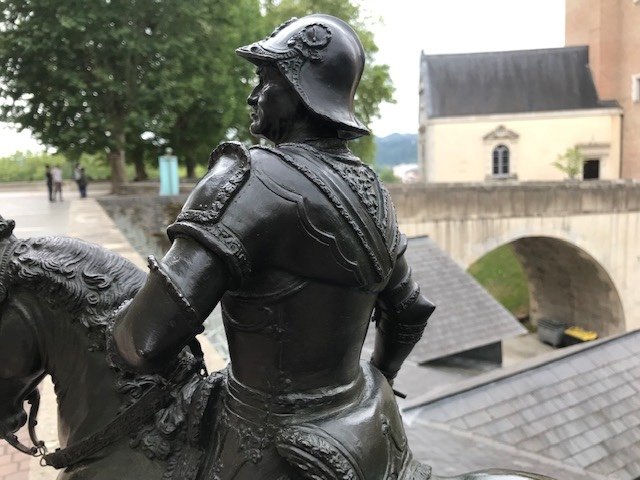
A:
(274, 105)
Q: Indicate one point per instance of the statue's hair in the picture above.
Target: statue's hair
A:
(84, 279)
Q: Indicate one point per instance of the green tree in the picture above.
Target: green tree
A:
(212, 105)
(375, 86)
(571, 162)
(92, 76)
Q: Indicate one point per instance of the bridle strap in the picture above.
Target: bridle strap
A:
(38, 449)
(129, 421)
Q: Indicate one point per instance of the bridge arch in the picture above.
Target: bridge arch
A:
(567, 283)
(600, 218)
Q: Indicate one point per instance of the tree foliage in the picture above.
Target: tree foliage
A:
(212, 103)
(93, 76)
(571, 162)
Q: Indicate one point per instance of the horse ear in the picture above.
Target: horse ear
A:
(6, 228)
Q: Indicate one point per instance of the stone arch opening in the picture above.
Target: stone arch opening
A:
(568, 284)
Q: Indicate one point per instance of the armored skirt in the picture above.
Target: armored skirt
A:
(350, 432)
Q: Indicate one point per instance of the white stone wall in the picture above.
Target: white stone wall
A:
(455, 149)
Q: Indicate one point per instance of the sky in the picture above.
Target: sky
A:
(451, 26)
(404, 28)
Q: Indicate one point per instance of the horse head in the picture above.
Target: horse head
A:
(20, 363)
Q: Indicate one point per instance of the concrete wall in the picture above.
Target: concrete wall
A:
(578, 241)
(143, 219)
(456, 150)
(611, 28)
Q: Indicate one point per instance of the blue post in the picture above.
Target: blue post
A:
(169, 180)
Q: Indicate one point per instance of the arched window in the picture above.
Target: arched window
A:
(501, 161)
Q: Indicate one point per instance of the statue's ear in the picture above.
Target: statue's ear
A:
(6, 228)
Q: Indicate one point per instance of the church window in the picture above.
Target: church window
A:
(500, 161)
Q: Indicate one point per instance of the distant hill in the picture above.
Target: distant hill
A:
(396, 148)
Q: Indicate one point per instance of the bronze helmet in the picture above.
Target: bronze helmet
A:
(322, 58)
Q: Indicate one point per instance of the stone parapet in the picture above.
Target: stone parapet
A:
(460, 201)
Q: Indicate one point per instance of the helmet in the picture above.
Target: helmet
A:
(322, 58)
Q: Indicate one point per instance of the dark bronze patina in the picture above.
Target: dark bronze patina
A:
(300, 244)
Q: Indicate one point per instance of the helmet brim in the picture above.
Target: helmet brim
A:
(256, 54)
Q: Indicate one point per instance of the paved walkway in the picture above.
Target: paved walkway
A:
(83, 218)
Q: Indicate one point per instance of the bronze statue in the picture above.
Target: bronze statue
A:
(300, 244)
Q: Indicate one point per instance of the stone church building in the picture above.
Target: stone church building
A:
(508, 115)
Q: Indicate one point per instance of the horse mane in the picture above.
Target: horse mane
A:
(89, 283)
(84, 279)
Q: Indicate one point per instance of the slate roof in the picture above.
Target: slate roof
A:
(466, 316)
(573, 415)
(509, 82)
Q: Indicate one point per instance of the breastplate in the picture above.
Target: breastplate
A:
(288, 334)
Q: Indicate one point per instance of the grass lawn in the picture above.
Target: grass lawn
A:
(501, 274)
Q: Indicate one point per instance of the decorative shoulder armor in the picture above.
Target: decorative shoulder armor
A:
(229, 166)
(200, 219)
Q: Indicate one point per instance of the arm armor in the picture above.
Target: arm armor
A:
(141, 327)
(401, 317)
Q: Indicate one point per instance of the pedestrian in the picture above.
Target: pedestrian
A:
(47, 172)
(56, 174)
(82, 182)
(76, 177)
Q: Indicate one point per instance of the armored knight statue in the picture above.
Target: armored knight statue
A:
(300, 244)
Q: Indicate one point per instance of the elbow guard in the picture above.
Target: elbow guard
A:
(157, 323)
(402, 317)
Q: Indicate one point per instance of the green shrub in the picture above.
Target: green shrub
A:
(501, 274)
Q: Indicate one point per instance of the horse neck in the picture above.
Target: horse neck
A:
(84, 383)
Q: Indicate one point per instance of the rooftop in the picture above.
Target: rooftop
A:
(509, 82)
(573, 414)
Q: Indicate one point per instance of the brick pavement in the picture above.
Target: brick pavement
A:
(13, 464)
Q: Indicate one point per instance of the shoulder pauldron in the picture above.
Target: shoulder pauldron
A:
(229, 165)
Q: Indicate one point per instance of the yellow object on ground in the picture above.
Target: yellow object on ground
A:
(581, 334)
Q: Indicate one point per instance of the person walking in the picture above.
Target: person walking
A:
(76, 177)
(56, 174)
(82, 182)
(49, 177)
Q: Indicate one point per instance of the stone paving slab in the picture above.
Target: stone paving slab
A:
(83, 218)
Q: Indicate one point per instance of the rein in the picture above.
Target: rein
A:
(38, 449)
(129, 421)
(134, 417)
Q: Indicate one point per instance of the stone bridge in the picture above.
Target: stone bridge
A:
(578, 242)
